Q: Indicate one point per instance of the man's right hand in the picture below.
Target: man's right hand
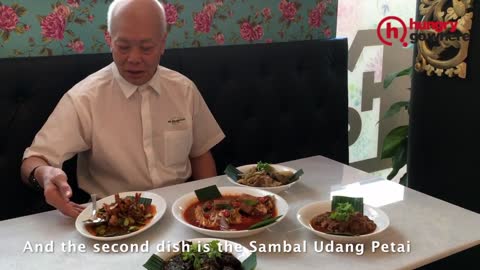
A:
(57, 191)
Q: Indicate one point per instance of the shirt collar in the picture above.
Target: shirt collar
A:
(128, 89)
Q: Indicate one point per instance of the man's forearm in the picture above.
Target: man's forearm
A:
(203, 166)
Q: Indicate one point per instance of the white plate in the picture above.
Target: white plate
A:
(279, 168)
(182, 203)
(308, 212)
(238, 251)
(157, 200)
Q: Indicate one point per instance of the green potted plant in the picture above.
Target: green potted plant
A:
(395, 145)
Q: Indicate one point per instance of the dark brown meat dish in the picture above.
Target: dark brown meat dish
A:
(225, 262)
(194, 259)
(357, 224)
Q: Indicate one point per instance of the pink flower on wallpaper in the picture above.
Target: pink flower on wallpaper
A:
(27, 27)
(53, 26)
(251, 33)
(76, 46)
(62, 10)
(219, 2)
(327, 32)
(268, 40)
(258, 32)
(288, 10)
(246, 31)
(267, 13)
(202, 22)
(74, 3)
(8, 18)
(210, 9)
(108, 38)
(90, 18)
(316, 15)
(171, 13)
(219, 38)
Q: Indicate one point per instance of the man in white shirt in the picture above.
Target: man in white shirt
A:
(135, 125)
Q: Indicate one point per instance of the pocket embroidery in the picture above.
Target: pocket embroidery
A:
(176, 120)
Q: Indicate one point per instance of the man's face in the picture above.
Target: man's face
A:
(137, 46)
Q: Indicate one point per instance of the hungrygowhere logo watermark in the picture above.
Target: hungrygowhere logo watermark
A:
(433, 31)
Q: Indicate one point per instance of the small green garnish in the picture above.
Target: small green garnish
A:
(101, 230)
(356, 202)
(342, 212)
(189, 254)
(193, 254)
(133, 228)
(250, 202)
(214, 249)
(263, 166)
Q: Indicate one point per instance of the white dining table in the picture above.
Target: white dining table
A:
(422, 229)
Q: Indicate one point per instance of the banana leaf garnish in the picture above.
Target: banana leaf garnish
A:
(232, 172)
(142, 200)
(264, 222)
(155, 263)
(208, 193)
(250, 263)
(296, 176)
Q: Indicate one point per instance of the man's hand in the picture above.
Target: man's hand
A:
(57, 191)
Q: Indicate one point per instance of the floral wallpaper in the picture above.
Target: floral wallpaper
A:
(56, 27)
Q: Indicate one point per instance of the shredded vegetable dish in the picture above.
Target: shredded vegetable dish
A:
(264, 175)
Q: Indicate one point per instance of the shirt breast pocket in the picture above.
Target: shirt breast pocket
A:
(177, 146)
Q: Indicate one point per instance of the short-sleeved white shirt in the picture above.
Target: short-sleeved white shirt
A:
(128, 137)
